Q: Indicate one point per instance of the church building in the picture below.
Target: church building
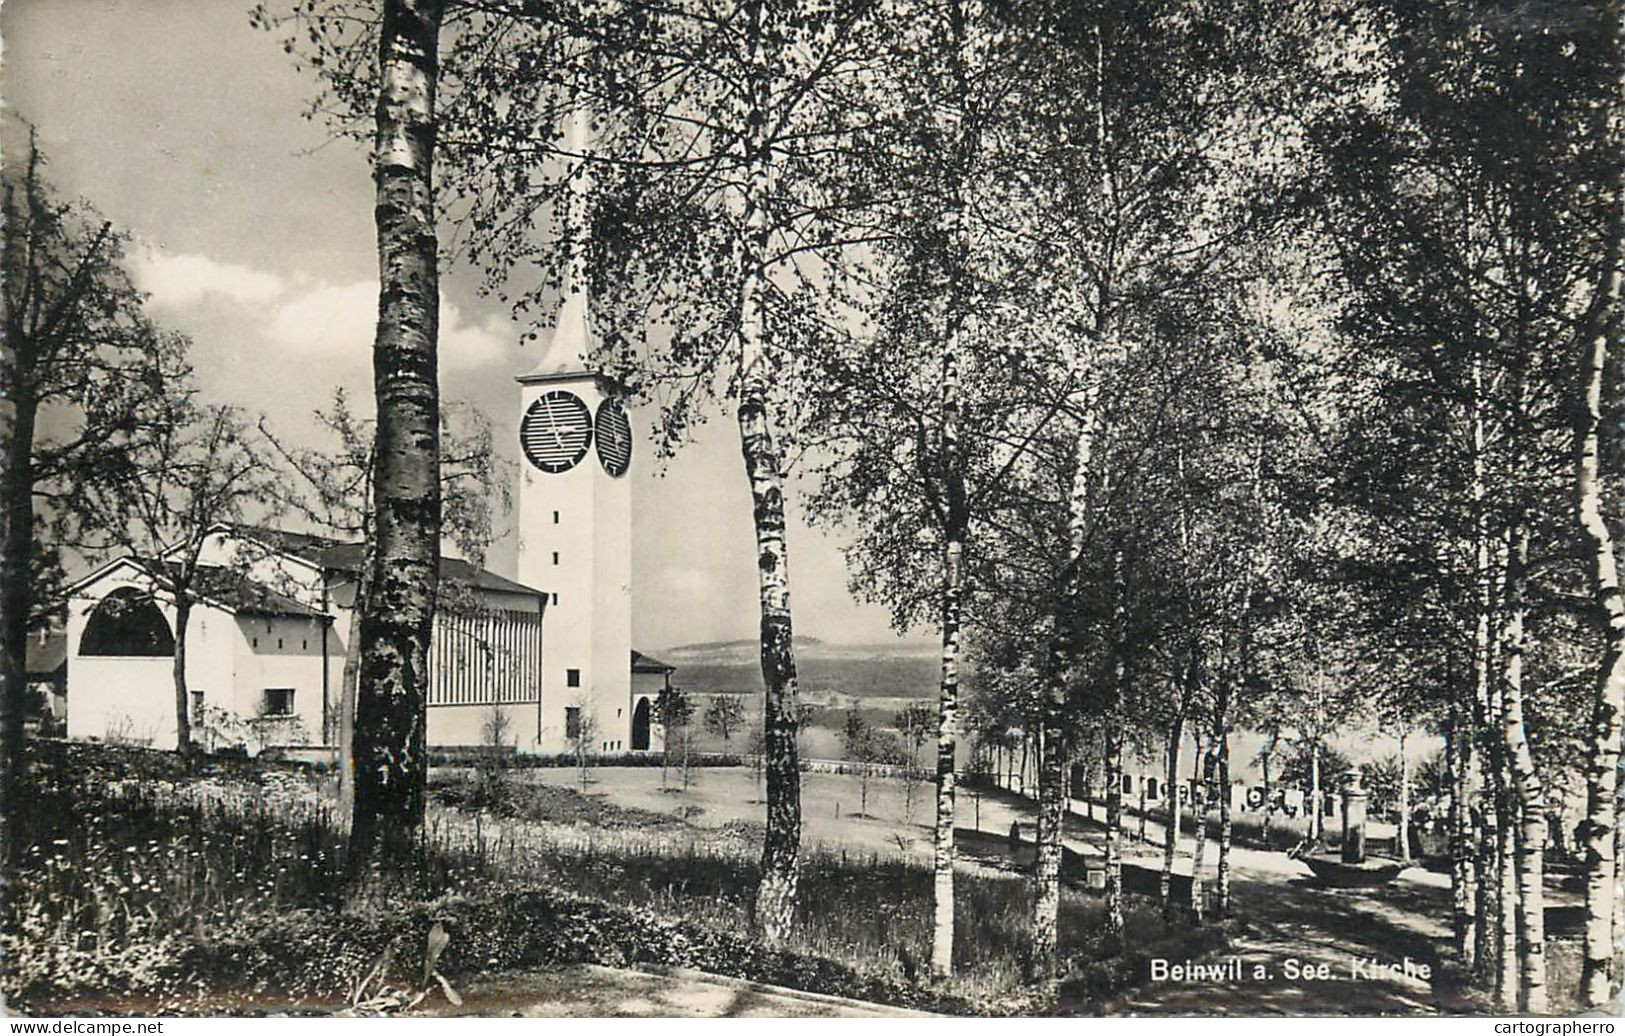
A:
(544, 659)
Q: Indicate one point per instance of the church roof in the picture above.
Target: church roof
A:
(642, 663)
(347, 556)
(231, 589)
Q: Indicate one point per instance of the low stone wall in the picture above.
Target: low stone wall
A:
(846, 766)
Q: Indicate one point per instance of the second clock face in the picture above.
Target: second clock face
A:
(556, 431)
(614, 434)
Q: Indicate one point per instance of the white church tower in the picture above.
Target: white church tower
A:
(575, 540)
(575, 528)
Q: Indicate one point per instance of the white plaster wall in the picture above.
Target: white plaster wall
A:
(464, 725)
(133, 698)
(288, 654)
(210, 662)
(611, 589)
(130, 699)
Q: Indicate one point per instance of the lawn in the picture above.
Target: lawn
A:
(223, 890)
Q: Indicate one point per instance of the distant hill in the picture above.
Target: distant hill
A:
(877, 679)
(747, 650)
(831, 675)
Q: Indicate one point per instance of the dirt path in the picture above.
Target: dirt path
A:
(1296, 948)
(590, 991)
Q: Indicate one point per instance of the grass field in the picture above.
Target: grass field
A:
(226, 889)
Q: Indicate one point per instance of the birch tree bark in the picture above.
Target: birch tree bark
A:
(1602, 933)
(1139, 766)
(1052, 778)
(776, 897)
(1114, 834)
(391, 766)
(1170, 841)
(1198, 900)
(1486, 860)
(1464, 890)
(955, 513)
(1316, 835)
(1264, 758)
(1404, 833)
(1221, 879)
(1526, 784)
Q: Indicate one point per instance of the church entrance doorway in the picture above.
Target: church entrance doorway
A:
(640, 726)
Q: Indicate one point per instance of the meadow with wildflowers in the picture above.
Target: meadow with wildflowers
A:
(141, 887)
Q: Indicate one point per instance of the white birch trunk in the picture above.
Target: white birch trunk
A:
(1602, 827)
(776, 896)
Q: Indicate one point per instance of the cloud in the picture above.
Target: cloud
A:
(475, 345)
(182, 280)
(325, 318)
(310, 317)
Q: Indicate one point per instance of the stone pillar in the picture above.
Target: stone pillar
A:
(1354, 799)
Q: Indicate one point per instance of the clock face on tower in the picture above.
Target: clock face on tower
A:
(556, 431)
(614, 434)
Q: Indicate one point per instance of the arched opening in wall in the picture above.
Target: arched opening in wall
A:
(127, 622)
(1152, 789)
(640, 726)
(1128, 784)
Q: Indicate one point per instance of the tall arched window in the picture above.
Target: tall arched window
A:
(127, 622)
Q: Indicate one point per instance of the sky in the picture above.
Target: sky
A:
(253, 234)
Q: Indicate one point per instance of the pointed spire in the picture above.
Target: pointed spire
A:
(573, 339)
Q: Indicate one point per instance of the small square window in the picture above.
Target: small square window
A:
(278, 701)
(572, 678)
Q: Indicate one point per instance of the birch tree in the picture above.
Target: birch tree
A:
(391, 762)
(1596, 438)
(1479, 211)
(331, 488)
